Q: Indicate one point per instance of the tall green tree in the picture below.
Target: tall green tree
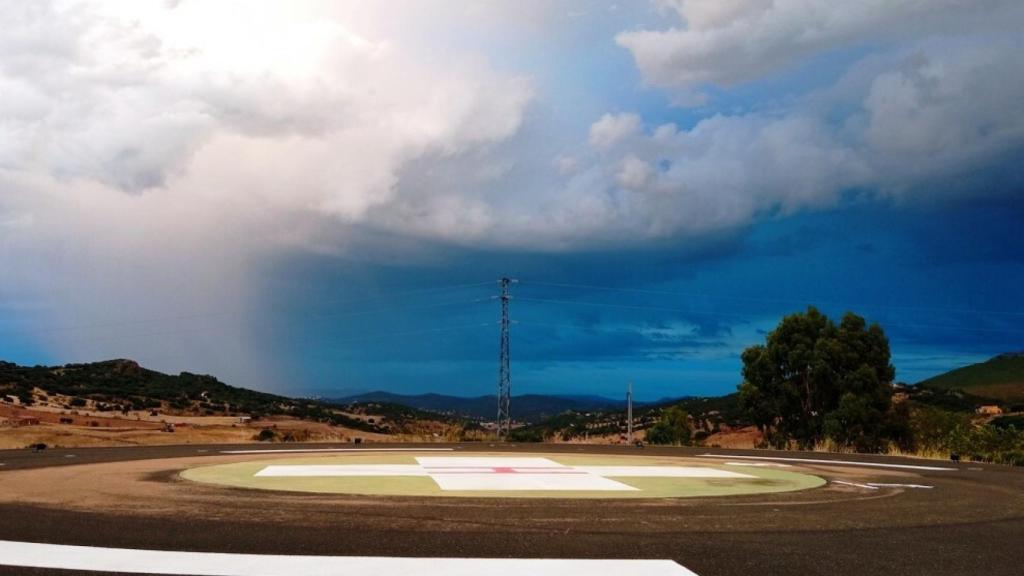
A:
(812, 377)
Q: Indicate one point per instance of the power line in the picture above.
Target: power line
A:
(749, 317)
(627, 330)
(766, 300)
(414, 332)
(222, 314)
(386, 335)
(631, 307)
(221, 328)
(392, 309)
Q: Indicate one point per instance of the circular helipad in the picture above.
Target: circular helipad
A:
(503, 475)
(271, 506)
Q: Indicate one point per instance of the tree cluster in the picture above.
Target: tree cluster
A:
(814, 379)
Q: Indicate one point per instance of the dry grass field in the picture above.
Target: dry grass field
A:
(21, 427)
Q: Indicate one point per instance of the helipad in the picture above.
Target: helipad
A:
(494, 475)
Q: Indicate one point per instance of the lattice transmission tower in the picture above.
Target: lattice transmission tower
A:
(504, 372)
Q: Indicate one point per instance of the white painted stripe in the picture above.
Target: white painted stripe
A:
(501, 470)
(758, 464)
(502, 473)
(881, 485)
(660, 472)
(845, 483)
(487, 462)
(285, 450)
(315, 470)
(531, 482)
(823, 461)
(55, 556)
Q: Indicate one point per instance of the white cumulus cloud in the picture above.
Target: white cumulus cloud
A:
(726, 42)
(154, 155)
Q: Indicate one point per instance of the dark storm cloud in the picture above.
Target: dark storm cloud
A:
(260, 200)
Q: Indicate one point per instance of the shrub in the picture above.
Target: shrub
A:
(1008, 421)
(673, 428)
(525, 435)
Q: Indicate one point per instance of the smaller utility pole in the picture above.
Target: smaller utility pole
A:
(629, 412)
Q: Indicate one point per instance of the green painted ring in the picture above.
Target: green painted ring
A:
(764, 479)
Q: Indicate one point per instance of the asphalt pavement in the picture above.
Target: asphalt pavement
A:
(969, 521)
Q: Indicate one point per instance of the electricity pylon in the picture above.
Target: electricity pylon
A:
(504, 372)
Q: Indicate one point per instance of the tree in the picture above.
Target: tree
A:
(813, 379)
(855, 422)
(673, 428)
(938, 430)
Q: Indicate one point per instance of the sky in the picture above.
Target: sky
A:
(318, 197)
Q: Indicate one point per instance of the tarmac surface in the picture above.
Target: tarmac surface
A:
(970, 520)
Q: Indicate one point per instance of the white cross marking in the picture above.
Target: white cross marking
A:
(504, 473)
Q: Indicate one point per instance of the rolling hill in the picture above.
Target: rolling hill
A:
(123, 386)
(1000, 378)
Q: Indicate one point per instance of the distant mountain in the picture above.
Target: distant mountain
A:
(1000, 378)
(525, 408)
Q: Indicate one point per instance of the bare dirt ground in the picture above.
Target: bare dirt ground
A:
(745, 438)
(64, 436)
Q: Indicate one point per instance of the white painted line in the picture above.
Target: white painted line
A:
(865, 486)
(487, 462)
(822, 461)
(343, 470)
(521, 481)
(55, 556)
(758, 464)
(661, 472)
(881, 485)
(285, 450)
(526, 473)
(502, 473)
(502, 470)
